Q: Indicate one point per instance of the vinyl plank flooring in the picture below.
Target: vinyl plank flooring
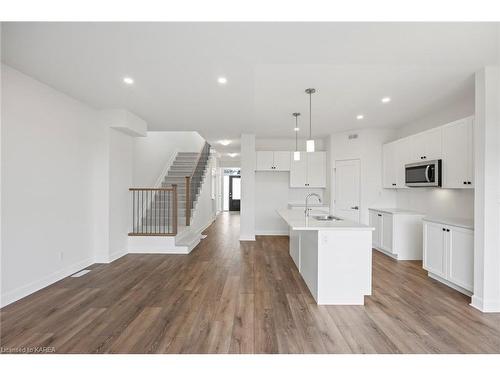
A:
(229, 296)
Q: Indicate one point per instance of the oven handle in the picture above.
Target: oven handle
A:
(427, 173)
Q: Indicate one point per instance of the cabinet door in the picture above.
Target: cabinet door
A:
(387, 232)
(434, 249)
(401, 157)
(427, 145)
(265, 161)
(298, 171)
(316, 169)
(456, 155)
(461, 257)
(470, 151)
(388, 172)
(282, 160)
(375, 221)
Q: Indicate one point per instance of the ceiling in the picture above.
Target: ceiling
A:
(421, 66)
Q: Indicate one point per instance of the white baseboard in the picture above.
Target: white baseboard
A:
(450, 284)
(278, 232)
(490, 306)
(394, 256)
(247, 238)
(24, 291)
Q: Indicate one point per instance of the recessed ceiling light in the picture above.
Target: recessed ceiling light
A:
(386, 99)
(224, 142)
(222, 80)
(233, 154)
(128, 80)
(360, 117)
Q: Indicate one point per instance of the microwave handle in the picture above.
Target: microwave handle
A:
(427, 173)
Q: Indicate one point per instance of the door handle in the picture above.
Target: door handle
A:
(427, 173)
(355, 208)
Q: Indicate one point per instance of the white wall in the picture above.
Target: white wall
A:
(152, 153)
(121, 158)
(439, 202)
(368, 148)
(247, 203)
(48, 153)
(455, 110)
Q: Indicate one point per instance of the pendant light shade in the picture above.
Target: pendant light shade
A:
(296, 153)
(310, 141)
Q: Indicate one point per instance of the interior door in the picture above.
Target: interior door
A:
(234, 193)
(347, 189)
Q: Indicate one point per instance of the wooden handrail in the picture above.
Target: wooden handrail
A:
(152, 189)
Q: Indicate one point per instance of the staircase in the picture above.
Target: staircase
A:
(179, 234)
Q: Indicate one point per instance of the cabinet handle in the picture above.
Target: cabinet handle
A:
(444, 229)
(379, 215)
(469, 183)
(465, 182)
(447, 230)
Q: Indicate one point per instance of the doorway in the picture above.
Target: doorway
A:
(347, 189)
(234, 193)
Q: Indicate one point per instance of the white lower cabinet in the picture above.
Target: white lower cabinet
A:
(397, 233)
(449, 255)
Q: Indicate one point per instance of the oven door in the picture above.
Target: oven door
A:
(423, 174)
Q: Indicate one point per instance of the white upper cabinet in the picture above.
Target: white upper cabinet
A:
(282, 160)
(316, 169)
(309, 171)
(453, 143)
(273, 160)
(458, 161)
(426, 145)
(389, 165)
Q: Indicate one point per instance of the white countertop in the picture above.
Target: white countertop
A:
(397, 211)
(456, 222)
(302, 204)
(297, 221)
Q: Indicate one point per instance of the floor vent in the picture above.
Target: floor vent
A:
(80, 273)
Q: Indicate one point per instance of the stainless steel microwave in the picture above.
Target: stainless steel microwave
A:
(423, 174)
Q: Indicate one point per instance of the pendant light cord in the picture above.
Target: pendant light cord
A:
(310, 115)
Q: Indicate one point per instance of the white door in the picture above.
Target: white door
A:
(298, 171)
(375, 222)
(265, 161)
(461, 257)
(316, 169)
(347, 189)
(282, 160)
(456, 155)
(435, 249)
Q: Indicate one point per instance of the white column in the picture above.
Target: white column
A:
(487, 191)
(247, 204)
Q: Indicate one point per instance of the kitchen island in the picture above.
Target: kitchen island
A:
(334, 257)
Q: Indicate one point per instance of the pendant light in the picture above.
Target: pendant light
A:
(310, 140)
(296, 153)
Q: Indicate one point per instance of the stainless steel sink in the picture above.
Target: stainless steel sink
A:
(327, 218)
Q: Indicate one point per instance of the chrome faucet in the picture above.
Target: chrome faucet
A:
(306, 211)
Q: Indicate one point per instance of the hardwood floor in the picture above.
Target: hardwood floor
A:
(232, 297)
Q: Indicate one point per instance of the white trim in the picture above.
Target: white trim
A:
(449, 284)
(26, 290)
(278, 232)
(385, 252)
(247, 238)
(485, 306)
(166, 168)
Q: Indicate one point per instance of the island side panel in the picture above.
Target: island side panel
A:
(309, 260)
(295, 246)
(344, 267)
